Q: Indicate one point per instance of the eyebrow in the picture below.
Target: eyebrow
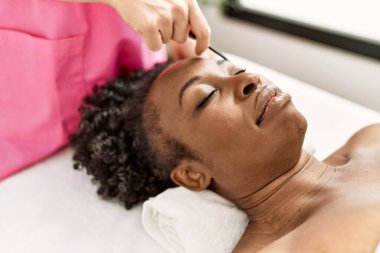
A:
(192, 81)
(220, 62)
(188, 83)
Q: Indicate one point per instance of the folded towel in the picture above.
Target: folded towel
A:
(183, 221)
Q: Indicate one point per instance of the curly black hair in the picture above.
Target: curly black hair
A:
(116, 140)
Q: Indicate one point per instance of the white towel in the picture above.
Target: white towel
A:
(183, 221)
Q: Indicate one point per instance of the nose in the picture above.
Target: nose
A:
(248, 83)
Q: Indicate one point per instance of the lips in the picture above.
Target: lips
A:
(270, 99)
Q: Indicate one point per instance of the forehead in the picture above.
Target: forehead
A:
(164, 93)
(171, 80)
(186, 69)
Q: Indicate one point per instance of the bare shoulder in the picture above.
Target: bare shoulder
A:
(366, 137)
(348, 229)
(340, 231)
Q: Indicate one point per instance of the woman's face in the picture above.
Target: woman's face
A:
(245, 129)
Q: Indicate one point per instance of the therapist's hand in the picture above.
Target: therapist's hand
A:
(185, 50)
(159, 21)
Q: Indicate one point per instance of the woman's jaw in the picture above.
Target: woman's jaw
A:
(246, 131)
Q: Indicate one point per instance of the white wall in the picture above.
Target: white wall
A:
(349, 75)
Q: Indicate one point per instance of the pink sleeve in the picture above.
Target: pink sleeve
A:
(46, 68)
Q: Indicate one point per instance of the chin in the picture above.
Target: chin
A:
(299, 123)
(290, 120)
(291, 125)
(298, 128)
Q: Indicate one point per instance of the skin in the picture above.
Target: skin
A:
(294, 202)
(161, 21)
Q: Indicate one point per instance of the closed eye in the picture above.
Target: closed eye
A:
(240, 71)
(206, 99)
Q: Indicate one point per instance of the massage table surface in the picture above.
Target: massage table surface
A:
(51, 207)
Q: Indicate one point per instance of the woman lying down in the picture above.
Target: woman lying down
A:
(207, 124)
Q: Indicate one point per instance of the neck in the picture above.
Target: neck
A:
(286, 202)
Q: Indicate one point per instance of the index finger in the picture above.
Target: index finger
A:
(199, 27)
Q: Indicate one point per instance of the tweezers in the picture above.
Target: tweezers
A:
(191, 34)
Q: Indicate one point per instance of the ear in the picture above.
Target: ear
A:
(192, 175)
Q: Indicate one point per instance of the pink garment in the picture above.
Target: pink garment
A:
(51, 54)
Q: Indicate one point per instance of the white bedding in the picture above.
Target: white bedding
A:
(52, 208)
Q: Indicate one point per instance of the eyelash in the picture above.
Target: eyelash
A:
(240, 71)
(206, 99)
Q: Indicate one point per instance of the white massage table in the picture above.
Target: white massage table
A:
(50, 207)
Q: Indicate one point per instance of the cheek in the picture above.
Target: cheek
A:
(227, 139)
(222, 126)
